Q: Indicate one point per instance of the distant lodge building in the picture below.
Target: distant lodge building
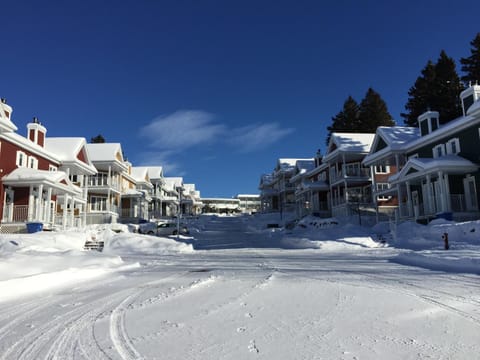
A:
(408, 173)
(242, 203)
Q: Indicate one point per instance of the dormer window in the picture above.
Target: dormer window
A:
(453, 146)
(428, 122)
(469, 96)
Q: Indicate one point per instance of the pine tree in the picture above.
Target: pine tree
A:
(471, 64)
(373, 113)
(420, 95)
(447, 88)
(437, 89)
(99, 139)
(346, 120)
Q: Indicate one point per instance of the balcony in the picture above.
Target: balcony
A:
(350, 174)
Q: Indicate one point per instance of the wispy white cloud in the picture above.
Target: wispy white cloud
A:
(258, 136)
(163, 158)
(173, 134)
(182, 129)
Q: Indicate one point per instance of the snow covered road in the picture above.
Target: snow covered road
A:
(245, 303)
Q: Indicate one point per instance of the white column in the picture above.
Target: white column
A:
(109, 183)
(429, 194)
(31, 204)
(409, 199)
(441, 181)
(39, 207)
(65, 209)
(48, 217)
(447, 193)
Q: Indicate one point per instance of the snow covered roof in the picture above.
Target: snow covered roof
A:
(419, 167)
(68, 148)
(139, 173)
(5, 123)
(171, 183)
(27, 176)
(395, 138)
(25, 143)
(105, 152)
(288, 165)
(354, 143)
(155, 172)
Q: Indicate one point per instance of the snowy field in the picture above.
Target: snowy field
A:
(237, 290)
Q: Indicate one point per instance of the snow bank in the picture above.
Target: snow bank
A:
(45, 260)
(449, 261)
(145, 244)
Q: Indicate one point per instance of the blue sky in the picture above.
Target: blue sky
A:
(217, 91)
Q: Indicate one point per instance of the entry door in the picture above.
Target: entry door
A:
(470, 193)
(416, 204)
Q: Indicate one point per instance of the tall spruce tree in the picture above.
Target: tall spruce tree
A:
(471, 64)
(447, 88)
(420, 95)
(346, 120)
(373, 113)
(437, 89)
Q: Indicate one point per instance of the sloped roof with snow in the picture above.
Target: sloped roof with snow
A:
(155, 172)
(353, 142)
(67, 150)
(139, 173)
(57, 179)
(25, 143)
(396, 137)
(452, 164)
(104, 151)
(172, 182)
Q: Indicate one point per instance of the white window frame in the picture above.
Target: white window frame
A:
(436, 149)
(456, 143)
(98, 203)
(22, 159)
(32, 162)
(382, 169)
(52, 168)
(382, 186)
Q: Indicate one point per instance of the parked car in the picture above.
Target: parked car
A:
(163, 228)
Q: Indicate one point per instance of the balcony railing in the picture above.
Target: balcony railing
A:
(350, 173)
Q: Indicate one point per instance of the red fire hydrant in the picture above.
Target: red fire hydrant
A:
(445, 240)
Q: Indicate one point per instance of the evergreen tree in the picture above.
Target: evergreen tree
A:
(99, 139)
(420, 95)
(471, 64)
(447, 89)
(373, 113)
(437, 89)
(346, 120)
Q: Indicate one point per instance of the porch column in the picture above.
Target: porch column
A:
(31, 204)
(429, 194)
(447, 193)
(109, 181)
(399, 199)
(409, 198)
(443, 199)
(39, 208)
(47, 212)
(374, 190)
(65, 209)
(397, 163)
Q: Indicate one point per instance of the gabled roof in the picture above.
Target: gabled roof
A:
(23, 142)
(105, 151)
(104, 155)
(302, 168)
(391, 139)
(171, 183)
(154, 172)
(58, 180)
(70, 150)
(5, 123)
(139, 173)
(419, 167)
(355, 143)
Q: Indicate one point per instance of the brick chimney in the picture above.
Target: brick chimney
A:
(36, 132)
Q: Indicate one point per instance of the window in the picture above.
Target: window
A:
(98, 203)
(52, 168)
(439, 150)
(21, 159)
(453, 146)
(382, 169)
(380, 187)
(32, 162)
